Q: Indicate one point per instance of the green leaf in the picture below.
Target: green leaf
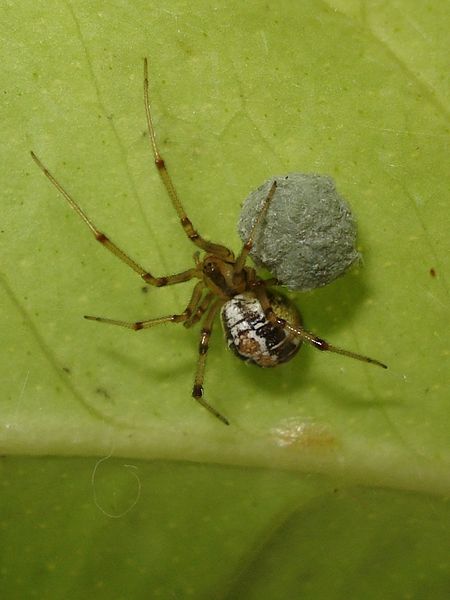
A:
(240, 91)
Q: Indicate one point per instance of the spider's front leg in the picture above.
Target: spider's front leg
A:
(163, 171)
(248, 245)
(197, 390)
(103, 239)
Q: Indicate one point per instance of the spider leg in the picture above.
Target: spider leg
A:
(322, 344)
(307, 336)
(197, 390)
(192, 234)
(248, 245)
(272, 282)
(200, 311)
(138, 325)
(109, 245)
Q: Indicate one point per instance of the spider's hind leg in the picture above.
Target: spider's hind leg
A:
(307, 336)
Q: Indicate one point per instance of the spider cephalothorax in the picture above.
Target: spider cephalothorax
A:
(261, 325)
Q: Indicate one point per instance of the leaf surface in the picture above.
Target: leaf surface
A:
(239, 92)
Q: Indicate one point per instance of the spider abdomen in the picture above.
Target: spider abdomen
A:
(252, 337)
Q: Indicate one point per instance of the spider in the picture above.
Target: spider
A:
(262, 326)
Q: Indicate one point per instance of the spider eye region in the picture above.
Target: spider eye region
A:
(252, 337)
(218, 276)
(209, 266)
